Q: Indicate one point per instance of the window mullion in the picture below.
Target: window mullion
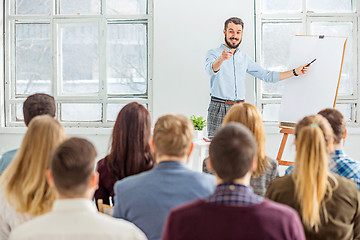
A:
(102, 65)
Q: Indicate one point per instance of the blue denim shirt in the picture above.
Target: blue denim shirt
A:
(229, 82)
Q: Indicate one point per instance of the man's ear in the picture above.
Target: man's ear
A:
(152, 145)
(49, 178)
(224, 31)
(345, 134)
(191, 149)
(94, 181)
(254, 164)
(209, 164)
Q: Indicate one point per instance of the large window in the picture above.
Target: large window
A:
(277, 21)
(93, 56)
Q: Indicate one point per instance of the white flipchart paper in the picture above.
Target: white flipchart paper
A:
(308, 94)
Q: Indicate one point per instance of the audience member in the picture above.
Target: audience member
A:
(130, 149)
(329, 204)
(267, 168)
(74, 215)
(146, 199)
(233, 211)
(24, 192)
(35, 105)
(339, 162)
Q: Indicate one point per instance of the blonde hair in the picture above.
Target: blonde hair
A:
(173, 135)
(311, 172)
(26, 188)
(250, 116)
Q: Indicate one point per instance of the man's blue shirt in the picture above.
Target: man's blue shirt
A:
(342, 165)
(229, 82)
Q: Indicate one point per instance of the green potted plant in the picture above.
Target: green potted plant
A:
(199, 124)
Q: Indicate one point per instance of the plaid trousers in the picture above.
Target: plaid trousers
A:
(216, 114)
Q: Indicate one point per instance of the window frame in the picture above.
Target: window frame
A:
(306, 18)
(102, 97)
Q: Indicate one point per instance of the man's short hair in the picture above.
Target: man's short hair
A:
(337, 122)
(72, 165)
(234, 20)
(232, 151)
(38, 104)
(173, 135)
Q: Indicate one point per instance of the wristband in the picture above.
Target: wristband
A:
(295, 72)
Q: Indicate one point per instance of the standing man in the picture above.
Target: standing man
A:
(227, 66)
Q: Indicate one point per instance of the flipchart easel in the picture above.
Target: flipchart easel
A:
(289, 128)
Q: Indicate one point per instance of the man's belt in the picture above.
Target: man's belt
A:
(215, 99)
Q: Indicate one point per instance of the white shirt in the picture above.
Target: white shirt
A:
(9, 218)
(76, 219)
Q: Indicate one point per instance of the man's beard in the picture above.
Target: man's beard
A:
(230, 44)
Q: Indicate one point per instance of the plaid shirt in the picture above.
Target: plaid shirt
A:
(342, 165)
(233, 194)
(345, 166)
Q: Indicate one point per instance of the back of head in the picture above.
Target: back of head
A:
(337, 122)
(173, 135)
(38, 104)
(313, 137)
(232, 151)
(130, 149)
(27, 189)
(250, 117)
(234, 20)
(72, 165)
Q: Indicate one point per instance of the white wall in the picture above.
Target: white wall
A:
(183, 32)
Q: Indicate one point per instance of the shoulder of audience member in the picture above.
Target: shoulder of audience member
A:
(280, 184)
(346, 186)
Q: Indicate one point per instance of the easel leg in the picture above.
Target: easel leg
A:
(282, 147)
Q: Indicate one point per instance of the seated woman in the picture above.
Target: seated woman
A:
(130, 152)
(267, 168)
(328, 204)
(24, 191)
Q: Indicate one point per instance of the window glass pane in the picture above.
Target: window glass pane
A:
(32, 58)
(81, 112)
(127, 59)
(343, 29)
(19, 112)
(113, 110)
(330, 6)
(80, 6)
(80, 59)
(346, 110)
(32, 6)
(275, 50)
(126, 6)
(271, 112)
(281, 5)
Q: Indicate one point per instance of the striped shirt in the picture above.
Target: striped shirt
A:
(234, 195)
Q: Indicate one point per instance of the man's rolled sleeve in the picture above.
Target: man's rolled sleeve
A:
(210, 59)
(257, 71)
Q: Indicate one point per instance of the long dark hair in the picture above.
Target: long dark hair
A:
(130, 150)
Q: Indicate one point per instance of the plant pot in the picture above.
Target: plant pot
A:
(198, 135)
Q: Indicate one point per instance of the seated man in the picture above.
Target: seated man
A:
(74, 215)
(233, 211)
(35, 105)
(339, 162)
(146, 199)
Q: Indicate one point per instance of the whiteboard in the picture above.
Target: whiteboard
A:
(308, 94)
